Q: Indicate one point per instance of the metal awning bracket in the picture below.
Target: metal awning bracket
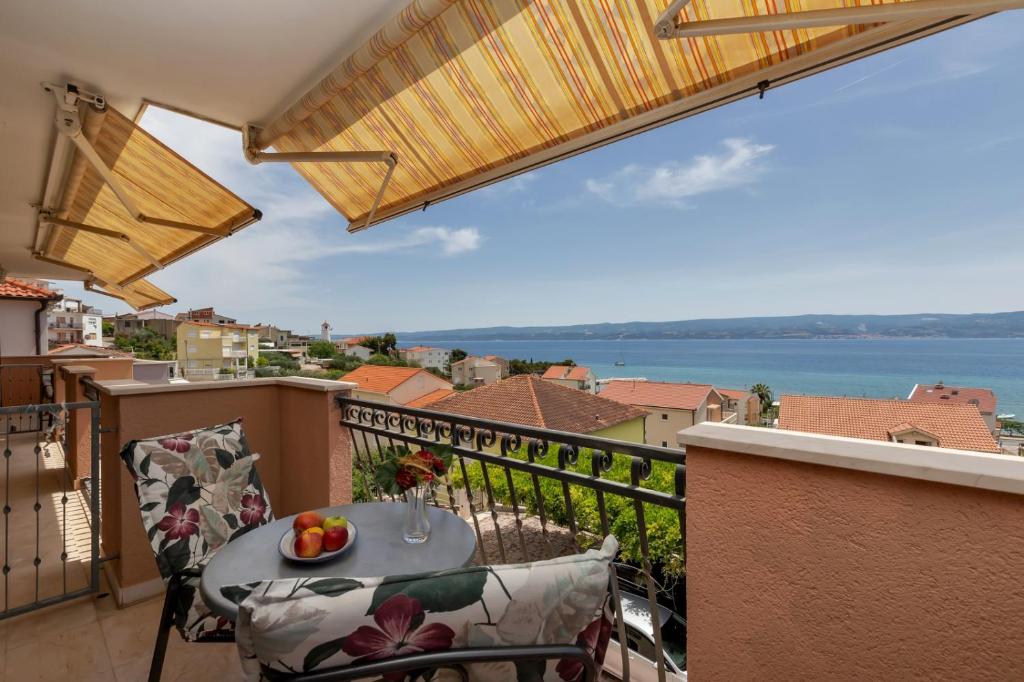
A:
(255, 156)
(669, 26)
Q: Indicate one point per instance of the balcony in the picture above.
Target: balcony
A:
(801, 553)
(232, 353)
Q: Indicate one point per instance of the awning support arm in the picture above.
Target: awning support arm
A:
(254, 156)
(103, 232)
(669, 26)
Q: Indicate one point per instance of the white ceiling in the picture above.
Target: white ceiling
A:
(232, 60)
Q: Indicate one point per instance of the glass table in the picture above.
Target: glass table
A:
(379, 550)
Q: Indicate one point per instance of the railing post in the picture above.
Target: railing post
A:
(78, 430)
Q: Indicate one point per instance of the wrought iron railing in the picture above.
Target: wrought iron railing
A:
(548, 485)
(41, 510)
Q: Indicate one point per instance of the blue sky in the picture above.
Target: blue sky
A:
(891, 185)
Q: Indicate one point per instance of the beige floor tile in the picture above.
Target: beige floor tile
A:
(56, 620)
(186, 662)
(130, 633)
(74, 653)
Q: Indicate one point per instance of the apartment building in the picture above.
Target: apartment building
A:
(208, 351)
(70, 321)
(743, 404)
(269, 334)
(671, 407)
(352, 347)
(153, 320)
(427, 356)
(205, 315)
(473, 370)
(578, 377)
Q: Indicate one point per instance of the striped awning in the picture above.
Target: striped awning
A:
(466, 92)
(177, 210)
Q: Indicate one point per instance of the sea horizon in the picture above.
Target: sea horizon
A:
(856, 367)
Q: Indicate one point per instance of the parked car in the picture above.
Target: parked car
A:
(636, 616)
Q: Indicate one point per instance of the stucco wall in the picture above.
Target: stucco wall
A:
(664, 430)
(18, 327)
(799, 571)
(631, 431)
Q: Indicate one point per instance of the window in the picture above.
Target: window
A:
(191, 333)
(664, 443)
(921, 442)
(664, 416)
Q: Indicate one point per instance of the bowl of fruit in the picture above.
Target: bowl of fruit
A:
(314, 538)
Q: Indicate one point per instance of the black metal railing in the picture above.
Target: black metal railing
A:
(38, 545)
(547, 485)
(25, 384)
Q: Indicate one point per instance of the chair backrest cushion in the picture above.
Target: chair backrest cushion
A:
(310, 624)
(197, 490)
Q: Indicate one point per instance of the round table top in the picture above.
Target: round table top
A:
(379, 550)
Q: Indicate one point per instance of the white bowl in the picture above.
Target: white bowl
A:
(287, 547)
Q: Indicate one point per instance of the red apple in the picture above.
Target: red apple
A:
(309, 544)
(335, 538)
(307, 519)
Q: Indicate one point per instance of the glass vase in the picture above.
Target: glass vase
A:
(417, 527)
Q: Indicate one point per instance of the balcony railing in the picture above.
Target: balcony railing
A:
(230, 353)
(534, 493)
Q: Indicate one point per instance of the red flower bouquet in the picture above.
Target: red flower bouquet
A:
(402, 469)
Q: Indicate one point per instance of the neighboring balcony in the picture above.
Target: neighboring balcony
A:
(233, 353)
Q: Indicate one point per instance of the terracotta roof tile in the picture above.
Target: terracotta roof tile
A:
(657, 394)
(734, 393)
(531, 401)
(418, 349)
(231, 325)
(573, 373)
(430, 398)
(941, 394)
(955, 426)
(381, 378)
(15, 288)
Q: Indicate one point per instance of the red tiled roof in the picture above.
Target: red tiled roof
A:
(530, 401)
(430, 398)
(419, 349)
(381, 378)
(15, 288)
(575, 373)
(955, 426)
(98, 351)
(354, 340)
(734, 393)
(964, 395)
(230, 325)
(657, 394)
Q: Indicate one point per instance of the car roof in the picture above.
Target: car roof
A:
(636, 612)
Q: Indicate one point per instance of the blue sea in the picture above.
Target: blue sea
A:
(876, 368)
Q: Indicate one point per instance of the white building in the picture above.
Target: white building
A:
(23, 308)
(474, 371)
(71, 321)
(427, 356)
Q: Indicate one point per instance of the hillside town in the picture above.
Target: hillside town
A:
(202, 344)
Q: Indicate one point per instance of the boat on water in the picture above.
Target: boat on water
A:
(620, 363)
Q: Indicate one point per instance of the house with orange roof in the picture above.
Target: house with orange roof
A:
(670, 407)
(531, 401)
(23, 312)
(430, 398)
(576, 376)
(395, 385)
(952, 425)
(744, 405)
(940, 394)
(209, 351)
(353, 347)
(427, 356)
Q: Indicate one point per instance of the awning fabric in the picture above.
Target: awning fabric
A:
(466, 92)
(164, 186)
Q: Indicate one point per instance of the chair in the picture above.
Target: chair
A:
(547, 620)
(197, 491)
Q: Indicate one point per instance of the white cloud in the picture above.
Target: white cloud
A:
(670, 183)
(513, 185)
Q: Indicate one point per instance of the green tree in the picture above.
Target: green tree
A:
(1012, 426)
(108, 328)
(531, 366)
(385, 344)
(764, 394)
(147, 345)
(321, 349)
(345, 363)
(458, 354)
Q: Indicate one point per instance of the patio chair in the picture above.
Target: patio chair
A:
(547, 620)
(197, 491)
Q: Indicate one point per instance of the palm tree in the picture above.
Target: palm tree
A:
(764, 394)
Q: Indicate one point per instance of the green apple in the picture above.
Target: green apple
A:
(335, 522)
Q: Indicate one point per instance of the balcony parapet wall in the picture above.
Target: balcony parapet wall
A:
(294, 424)
(818, 557)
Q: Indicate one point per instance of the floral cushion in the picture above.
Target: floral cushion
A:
(197, 491)
(309, 624)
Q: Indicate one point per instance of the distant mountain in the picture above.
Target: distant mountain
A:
(924, 325)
